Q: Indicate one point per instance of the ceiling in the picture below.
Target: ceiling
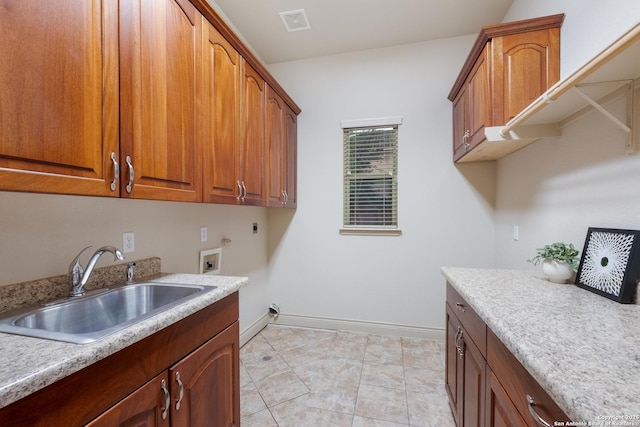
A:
(339, 26)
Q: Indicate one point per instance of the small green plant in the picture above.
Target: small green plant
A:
(558, 251)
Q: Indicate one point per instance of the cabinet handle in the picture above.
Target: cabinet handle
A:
(531, 403)
(286, 197)
(116, 171)
(465, 140)
(460, 307)
(461, 343)
(167, 399)
(239, 191)
(282, 202)
(244, 191)
(131, 175)
(180, 391)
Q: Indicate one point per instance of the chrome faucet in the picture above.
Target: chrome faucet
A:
(79, 276)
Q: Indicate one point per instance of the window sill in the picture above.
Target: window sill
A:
(370, 231)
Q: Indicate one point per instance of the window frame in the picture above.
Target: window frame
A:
(377, 230)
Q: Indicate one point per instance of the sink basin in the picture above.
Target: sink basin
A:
(85, 319)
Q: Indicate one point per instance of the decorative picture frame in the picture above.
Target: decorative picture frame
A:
(610, 263)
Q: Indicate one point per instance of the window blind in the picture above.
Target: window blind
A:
(371, 177)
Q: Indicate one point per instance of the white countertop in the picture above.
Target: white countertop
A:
(582, 348)
(30, 364)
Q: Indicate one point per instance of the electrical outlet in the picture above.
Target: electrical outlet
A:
(203, 234)
(516, 233)
(128, 242)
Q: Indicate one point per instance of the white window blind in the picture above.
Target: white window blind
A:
(371, 176)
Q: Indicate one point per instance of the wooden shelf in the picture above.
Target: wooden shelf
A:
(612, 73)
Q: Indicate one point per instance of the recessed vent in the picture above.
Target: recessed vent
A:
(295, 20)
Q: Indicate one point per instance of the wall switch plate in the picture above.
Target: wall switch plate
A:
(203, 234)
(128, 242)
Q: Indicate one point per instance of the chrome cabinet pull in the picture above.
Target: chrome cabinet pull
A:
(459, 342)
(460, 307)
(167, 399)
(282, 198)
(531, 403)
(239, 191)
(465, 140)
(131, 175)
(244, 191)
(180, 391)
(116, 171)
(286, 197)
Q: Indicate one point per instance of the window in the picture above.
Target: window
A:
(370, 174)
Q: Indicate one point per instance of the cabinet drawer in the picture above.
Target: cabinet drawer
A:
(519, 384)
(476, 328)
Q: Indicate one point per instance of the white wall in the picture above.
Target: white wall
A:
(445, 219)
(555, 189)
(41, 234)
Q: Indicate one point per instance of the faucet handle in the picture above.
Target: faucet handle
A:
(75, 264)
(130, 273)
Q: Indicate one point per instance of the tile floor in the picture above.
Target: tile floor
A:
(313, 377)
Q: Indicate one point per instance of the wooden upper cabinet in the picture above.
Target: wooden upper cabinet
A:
(509, 66)
(291, 163)
(275, 147)
(252, 176)
(160, 73)
(528, 65)
(58, 96)
(221, 125)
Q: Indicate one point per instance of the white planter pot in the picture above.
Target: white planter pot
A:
(557, 272)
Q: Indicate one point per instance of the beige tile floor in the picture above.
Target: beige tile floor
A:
(313, 377)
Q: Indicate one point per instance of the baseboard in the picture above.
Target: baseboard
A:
(377, 328)
(253, 329)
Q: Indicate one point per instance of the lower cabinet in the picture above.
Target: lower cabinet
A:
(465, 378)
(486, 384)
(199, 390)
(187, 374)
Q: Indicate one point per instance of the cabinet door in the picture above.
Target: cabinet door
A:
(500, 411)
(142, 408)
(59, 103)
(275, 148)
(222, 120)
(453, 378)
(291, 162)
(465, 375)
(525, 65)
(460, 127)
(160, 68)
(206, 384)
(474, 376)
(479, 107)
(253, 137)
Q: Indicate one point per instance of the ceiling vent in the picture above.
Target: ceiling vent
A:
(295, 20)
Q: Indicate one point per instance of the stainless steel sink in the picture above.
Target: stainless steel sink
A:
(85, 319)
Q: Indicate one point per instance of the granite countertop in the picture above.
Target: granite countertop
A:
(30, 364)
(583, 349)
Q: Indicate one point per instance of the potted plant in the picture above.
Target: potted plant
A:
(559, 261)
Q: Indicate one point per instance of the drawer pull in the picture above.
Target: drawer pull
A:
(531, 403)
(167, 399)
(460, 307)
(180, 391)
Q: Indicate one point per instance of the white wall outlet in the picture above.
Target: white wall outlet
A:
(128, 242)
(516, 233)
(203, 234)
